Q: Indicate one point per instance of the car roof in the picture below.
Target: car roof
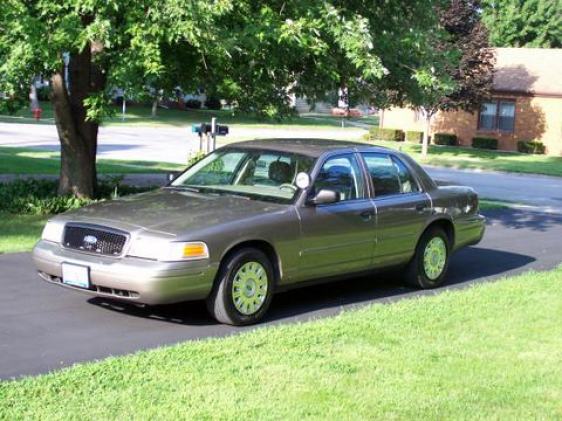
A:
(309, 147)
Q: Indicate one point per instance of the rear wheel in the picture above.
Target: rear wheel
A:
(243, 289)
(428, 267)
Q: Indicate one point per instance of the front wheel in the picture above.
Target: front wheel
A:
(428, 267)
(243, 289)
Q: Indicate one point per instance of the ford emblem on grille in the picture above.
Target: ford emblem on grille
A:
(89, 242)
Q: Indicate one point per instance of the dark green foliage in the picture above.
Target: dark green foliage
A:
(447, 139)
(531, 146)
(413, 136)
(194, 104)
(395, 135)
(524, 23)
(213, 103)
(44, 93)
(39, 197)
(485, 143)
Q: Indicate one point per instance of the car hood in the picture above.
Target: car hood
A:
(170, 211)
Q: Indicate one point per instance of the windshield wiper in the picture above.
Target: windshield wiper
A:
(188, 188)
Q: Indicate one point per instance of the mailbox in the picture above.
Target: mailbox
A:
(207, 128)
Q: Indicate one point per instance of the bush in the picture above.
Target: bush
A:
(39, 197)
(194, 104)
(531, 146)
(447, 139)
(194, 158)
(395, 135)
(485, 143)
(413, 136)
(213, 103)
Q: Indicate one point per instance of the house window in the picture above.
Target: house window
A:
(497, 115)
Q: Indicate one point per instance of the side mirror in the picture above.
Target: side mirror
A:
(324, 197)
(171, 176)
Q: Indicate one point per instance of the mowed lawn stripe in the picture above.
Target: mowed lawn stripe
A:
(489, 351)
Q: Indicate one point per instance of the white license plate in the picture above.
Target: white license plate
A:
(75, 275)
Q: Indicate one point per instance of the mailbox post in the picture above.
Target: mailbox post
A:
(210, 131)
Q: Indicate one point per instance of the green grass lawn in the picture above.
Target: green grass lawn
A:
(19, 233)
(462, 157)
(491, 351)
(139, 115)
(33, 161)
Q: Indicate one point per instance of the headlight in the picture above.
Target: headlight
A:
(53, 232)
(168, 251)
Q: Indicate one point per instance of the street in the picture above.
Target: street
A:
(44, 327)
(142, 143)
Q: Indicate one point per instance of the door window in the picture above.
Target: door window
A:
(342, 175)
(389, 175)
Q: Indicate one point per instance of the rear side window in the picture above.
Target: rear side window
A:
(407, 183)
(389, 175)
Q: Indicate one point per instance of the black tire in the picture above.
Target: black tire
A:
(415, 274)
(220, 302)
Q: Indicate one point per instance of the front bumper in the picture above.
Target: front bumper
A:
(129, 279)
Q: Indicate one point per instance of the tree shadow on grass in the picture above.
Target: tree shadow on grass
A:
(468, 266)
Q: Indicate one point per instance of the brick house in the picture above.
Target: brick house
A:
(526, 104)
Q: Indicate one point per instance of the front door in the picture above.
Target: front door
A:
(338, 237)
(402, 208)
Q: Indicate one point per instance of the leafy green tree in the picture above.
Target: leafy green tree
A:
(461, 71)
(524, 23)
(254, 54)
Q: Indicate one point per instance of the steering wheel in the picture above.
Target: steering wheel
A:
(288, 186)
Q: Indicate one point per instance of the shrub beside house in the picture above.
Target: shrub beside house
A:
(526, 105)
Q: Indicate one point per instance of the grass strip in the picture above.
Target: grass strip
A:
(470, 158)
(19, 233)
(32, 161)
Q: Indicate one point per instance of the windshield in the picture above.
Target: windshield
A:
(256, 174)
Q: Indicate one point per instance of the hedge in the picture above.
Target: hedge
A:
(213, 103)
(414, 136)
(485, 143)
(447, 139)
(396, 135)
(531, 146)
(193, 104)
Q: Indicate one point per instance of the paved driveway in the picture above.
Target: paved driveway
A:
(44, 327)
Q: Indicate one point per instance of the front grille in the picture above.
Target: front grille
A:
(93, 239)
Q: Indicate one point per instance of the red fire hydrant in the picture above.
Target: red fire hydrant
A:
(37, 113)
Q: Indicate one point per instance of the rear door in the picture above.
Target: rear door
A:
(338, 237)
(401, 205)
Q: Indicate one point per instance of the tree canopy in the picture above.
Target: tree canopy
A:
(252, 54)
(461, 72)
(524, 23)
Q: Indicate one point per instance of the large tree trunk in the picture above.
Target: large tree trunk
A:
(154, 106)
(33, 99)
(77, 136)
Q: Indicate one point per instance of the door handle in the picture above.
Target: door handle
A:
(367, 215)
